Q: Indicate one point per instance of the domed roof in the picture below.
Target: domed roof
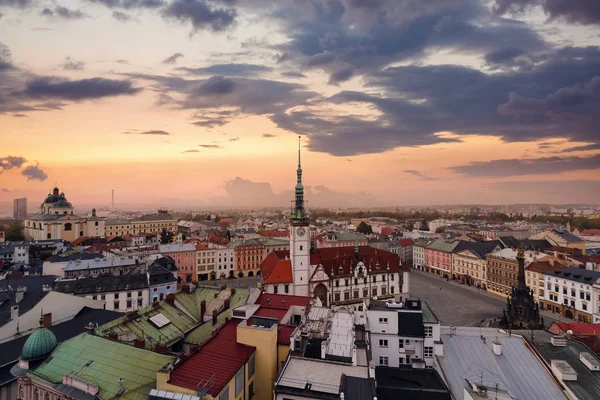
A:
(62, 203)
(39, 344)
(52, 198)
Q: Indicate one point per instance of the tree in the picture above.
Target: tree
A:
(217, 218)
(165, 237)
(14, 232)
(364, 228)
(424, 226)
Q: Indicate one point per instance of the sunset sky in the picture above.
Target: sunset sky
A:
(397, 102)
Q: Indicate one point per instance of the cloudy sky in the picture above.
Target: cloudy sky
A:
(397, 102)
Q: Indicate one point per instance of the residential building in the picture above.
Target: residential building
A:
(403, 334)
(534, 274)
(419, 253)
(57, 220)
(72, 370)
(573, 292)
(248, 254)
(161, 282)
(225, 264)
(503, 266)
(485, 363)
(152, 223)
(404, 248)
(119, 293)
(562, 239)
(89, 267)
(438, 257)
(469, 261)
(206, 257)
(184, 255)
(20, 209)
(342, 239)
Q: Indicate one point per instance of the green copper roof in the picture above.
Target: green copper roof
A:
(39, 344)
(191, 301)
(103, 362)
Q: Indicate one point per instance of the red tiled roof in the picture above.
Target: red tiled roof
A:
(406, 242)
(282, 301)
(268, 312)
(387, 230)
(201, 246)
(274, 233)
(580, 328)
(591, 232)
(80, 240)
(218, 359)
(283, 334)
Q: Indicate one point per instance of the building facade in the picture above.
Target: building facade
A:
(402, 334)
(419, 253)
(153, 223)
(206, 257)
(248, 254)
(225, 264)
(161, 282)
(469, 261)
(184, 255)
(503, 268)
(573, 293)
(20, 209)
(438, 257)
(57, 220)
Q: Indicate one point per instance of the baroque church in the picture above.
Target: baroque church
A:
(336, 275)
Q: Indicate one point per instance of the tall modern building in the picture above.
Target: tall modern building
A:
(20, 208)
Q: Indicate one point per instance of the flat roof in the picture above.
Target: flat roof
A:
(79, 265)
(318, 375)
(341, 336)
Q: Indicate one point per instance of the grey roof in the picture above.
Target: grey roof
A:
(517, 370)
(421, 242)
(481, 249)
(568, 236)
(101, 284)
(587, 385)
(576, 274)
(160, 275)
(75, 256)
(443, 245)
(355, 388)
(34, 292)
(429, 316)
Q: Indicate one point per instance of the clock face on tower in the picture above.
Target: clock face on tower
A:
(300, 232)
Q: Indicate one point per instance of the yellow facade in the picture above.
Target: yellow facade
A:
(121, 227)
(267, 358)
(467, 265)
(282, 353)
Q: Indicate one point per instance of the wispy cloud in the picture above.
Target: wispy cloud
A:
(268, 135)
(210, 146)
(190, 151)
(72, 65)
(152, 132)
(235, 139)
(419, 174)
(172, 59)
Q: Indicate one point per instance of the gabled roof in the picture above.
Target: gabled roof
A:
(102, 284)
(276, 269)
(282, 301)
(110, 362)
(217, 361)
(34, 292)
(542, 266)
(160, 275)
(481, 249)
(568, 236)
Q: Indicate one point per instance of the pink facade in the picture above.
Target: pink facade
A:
(439, 262)
(186, 262)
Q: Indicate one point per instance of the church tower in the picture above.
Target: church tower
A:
(300, 238)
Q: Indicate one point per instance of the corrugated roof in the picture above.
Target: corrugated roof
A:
(517, 370)
(276, 313)
(282, 301)
(284, 334)
(111, 361)
(191, 301)
(215, 363)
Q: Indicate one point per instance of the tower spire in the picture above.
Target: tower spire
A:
(299, 212)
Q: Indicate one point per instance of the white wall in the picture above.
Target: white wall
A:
(110, 298)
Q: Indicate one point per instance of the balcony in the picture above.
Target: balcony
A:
(408, 350)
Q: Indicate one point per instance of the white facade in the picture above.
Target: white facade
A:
(224, 262)
(418, 256)
(122, 301)
(300, 258)
(21, 254)
(575, 296)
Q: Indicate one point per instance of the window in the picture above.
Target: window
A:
(346, 295)
(286, 288)
(336, 297)
(68, 226)
(383, 361)
(365, 292)
(356, 294)
(428, 351)
(584, 306)
(573, 292)
(428, 331)
(301, 247)
(337, 283)
(588, 297)
(116, 305)
(128, 303)
(383, 343)
(251, 390)
(225, 394)
(239, 382)
(276, 289)
(374, 291)
(383, 320)
(346, 282)
(128, 295)
(102, 297)
(401, 343)
(251, 367)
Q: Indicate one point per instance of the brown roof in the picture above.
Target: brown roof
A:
(543, 266)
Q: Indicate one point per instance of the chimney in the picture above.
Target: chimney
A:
(214, 317)
(20, 294)
(185, 288)
(202, 308)
(497, 347)
(14, 312)
(216, 295)
(171, 298)
(141, 343)
(47, 320)
(161, 348)
(323, 349)
(89, 328)
(232, 291)
(226, 304)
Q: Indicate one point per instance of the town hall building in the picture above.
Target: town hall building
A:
(335, 275)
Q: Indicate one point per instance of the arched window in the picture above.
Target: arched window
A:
(68, 226)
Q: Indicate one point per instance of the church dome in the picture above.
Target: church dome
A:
(39, 344)
(54, 197)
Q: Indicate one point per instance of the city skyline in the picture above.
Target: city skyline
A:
(397, 102)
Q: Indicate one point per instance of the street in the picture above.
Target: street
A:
(461, 305)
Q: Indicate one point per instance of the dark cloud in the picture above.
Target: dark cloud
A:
(16, 3)
(73, 65)
(173, 58)
(228, 70)
(34, 173)
(213, 119)
(586, 147)
(121, 16)
(10, 162)
(584, 12)
(190, 151)
(293, 74)
(341, 75)
(83, 89)
(201, 14)
(538, 166)
(216, 85)
(268, 135)
(63, 13)
(420, 175)
(210, 146)
(502, 56)
(152, 132)
(130, 4)
(5, 190)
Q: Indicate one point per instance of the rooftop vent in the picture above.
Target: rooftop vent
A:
(590, 361)
(558, 341)
(497, 347)
(563, 370)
